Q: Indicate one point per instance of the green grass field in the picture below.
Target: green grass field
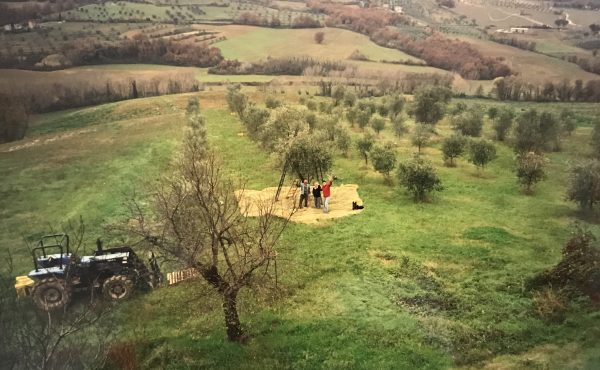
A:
(255, 43)
(400, 286)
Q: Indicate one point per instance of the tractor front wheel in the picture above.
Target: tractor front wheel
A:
(117, 288)
(51, 294)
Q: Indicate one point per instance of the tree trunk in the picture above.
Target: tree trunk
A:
(232, 320)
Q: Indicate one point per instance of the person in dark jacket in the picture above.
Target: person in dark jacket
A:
(304, 190)
(316, 191)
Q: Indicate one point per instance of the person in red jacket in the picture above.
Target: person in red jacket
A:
(326, 195)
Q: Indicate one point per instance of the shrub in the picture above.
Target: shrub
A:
(319, 37)
(272, 103)
(357, 55)
(578, 272)
(549, 305)
(481, 152)
(453, 147)
(419, 177)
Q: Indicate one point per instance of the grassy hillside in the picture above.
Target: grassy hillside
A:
(402, 285)
(533, 67)
(255, 43)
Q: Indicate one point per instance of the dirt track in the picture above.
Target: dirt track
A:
(340, 204)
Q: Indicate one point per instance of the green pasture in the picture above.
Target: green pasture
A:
(259, 43)
(399, 286)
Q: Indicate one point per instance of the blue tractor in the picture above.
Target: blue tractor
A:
(58, 273)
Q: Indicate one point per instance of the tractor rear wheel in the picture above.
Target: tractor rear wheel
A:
(51, 294)
(117, 287)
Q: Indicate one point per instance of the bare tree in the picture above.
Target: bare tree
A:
(196, 219)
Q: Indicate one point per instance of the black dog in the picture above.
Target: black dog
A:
(355, 206)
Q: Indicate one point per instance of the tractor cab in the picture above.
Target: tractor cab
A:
(51, 256)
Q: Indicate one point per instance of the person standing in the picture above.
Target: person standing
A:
(304, 188)
(316, 191)
(326, 195)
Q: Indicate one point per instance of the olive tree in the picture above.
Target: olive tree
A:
(453, 147)
(419, 177)
(430, 104)
(530, 169)
(349, 99)
(365, 144)
(236, 100)
(308, 155)
(363, 116)
(283, 124)
(584, 184)
(421, 136)
(338, 93)
(395, 105)
(343, 140)
(568, 121)
(481, 152)
(254, 118)
(469, 122)
(399, 125)
(377, 123)
(503, 122)
(383, 159)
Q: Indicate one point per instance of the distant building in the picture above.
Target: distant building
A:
(518, 30)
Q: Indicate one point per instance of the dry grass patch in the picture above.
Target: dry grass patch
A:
(340, 204)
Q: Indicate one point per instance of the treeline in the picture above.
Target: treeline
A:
(138, 49)
(591, 65)
(141, 49)
(252, 19)
(441, 52)
(514, 42)
(294, 66)
(514, 88)
(365, 21)
(46, 95)
(378, 83)
(437, 50)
